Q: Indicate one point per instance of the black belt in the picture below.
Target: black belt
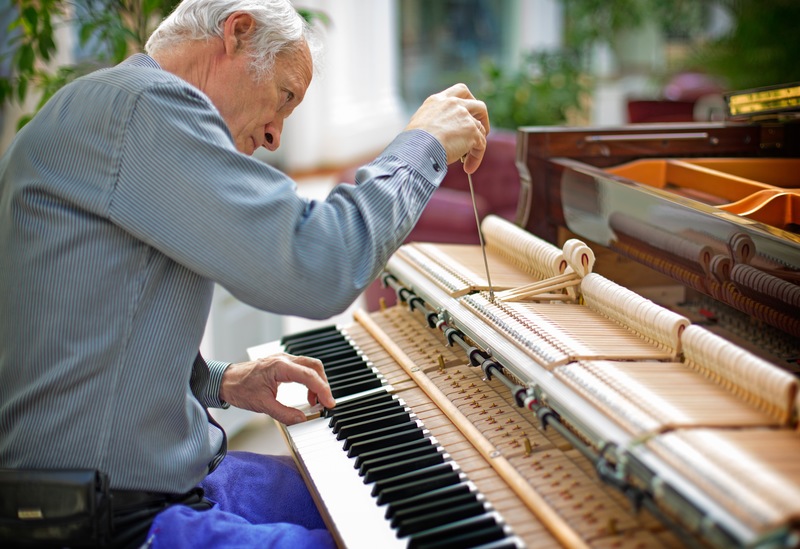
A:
(122, 499)
(130, 499)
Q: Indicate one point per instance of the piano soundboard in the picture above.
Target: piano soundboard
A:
(575, 413)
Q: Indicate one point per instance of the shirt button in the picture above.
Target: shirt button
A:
(436, 166)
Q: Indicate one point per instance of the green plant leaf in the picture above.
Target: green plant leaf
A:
(5, 89)
(23, 120)
(46, 46)
(150, 6)
(85, 33)
(314, 15)
(30, 20)
(25, 58)
(22, 89)
(120, 47)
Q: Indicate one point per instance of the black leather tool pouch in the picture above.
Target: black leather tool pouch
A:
(66, 508)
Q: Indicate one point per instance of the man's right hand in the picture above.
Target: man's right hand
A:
(460, 123)
(254, 385)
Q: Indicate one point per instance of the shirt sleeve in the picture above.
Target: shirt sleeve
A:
(205, 382)
(210, 395)
(184, 189)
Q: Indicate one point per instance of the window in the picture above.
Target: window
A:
(443, 42)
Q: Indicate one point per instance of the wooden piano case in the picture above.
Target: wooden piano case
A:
(712, 207)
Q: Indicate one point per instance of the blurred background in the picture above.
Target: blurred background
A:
(534, 62)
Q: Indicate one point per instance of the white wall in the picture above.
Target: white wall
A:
(541, 23)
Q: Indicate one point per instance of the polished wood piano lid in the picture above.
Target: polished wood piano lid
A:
(763, 189)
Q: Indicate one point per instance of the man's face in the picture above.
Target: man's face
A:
(255, 109)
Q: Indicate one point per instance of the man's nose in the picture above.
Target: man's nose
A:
(272, 135)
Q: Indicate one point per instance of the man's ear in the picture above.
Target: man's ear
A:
(238, 28)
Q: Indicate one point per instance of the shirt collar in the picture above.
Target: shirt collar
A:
(142, 60)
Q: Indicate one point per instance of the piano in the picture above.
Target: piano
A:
(625, 380)
(711, 206)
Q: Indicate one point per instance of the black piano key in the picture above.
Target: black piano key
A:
(374, 412)
(319, 345)
(365, 411)
(412, 476)
(333, 355)
(472, 539)
(325, 351)
(352, 357)
(345, 365)
(418, 451)
(330, 348)
(355, 387)
(349, 369)
(389, 451)
(413, 501)
(435, 503)
(435, 518)
(344, 379)
(362, 412)
(359, 401)
(350, 429)
(378, 435)
(465, 533)
(402, 466)
(308, 334)
(346, 358)
(419, 487)
(367, 444)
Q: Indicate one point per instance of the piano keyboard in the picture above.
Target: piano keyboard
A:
(555, 498)
(349, 372)
(380, 477)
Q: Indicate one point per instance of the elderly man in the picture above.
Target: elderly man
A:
(123, 201)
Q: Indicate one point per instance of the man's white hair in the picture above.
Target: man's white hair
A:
(279, 28)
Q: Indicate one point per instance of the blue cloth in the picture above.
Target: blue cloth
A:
(260, 501)
(121, 204)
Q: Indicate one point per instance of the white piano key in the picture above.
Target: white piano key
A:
(354, 513)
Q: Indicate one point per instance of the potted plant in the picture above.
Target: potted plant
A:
(108, 31)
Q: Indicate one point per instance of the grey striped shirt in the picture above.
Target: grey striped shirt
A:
(121, 203)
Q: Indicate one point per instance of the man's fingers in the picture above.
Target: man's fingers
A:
(312, 363)
(477, 108)
(479, 112)
(459, 121)
(474, 156)
(479, 116)
(310, 374)
(471, 163)
(285, 414)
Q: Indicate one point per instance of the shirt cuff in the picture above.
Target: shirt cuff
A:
(421, 151)
(216, 369)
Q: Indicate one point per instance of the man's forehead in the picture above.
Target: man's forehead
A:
(296, 65)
